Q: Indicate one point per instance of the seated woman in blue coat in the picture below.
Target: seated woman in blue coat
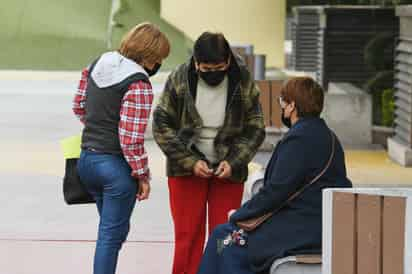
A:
(309, 155)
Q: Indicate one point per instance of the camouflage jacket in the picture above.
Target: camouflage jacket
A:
(176, 122)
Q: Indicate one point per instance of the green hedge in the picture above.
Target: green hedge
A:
(388, 107)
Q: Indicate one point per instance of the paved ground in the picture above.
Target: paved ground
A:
(39, 234)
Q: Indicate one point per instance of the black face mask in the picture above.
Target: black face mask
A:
(286, 121)
(213, 78)
(154, 70)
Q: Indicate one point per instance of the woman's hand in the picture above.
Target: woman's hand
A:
(224, 170)
(144, 190)
(201, 169)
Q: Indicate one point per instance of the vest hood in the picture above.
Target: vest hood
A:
(112, 68)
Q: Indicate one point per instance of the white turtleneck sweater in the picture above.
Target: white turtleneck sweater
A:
(211, 105)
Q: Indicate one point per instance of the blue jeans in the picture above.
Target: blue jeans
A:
(107, 178)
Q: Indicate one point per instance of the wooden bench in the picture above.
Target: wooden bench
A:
(367, 230)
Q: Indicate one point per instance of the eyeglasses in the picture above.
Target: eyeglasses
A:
(212, 69)
(281, 102)
(206, 67)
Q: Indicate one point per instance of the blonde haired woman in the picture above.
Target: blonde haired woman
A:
(114, 101)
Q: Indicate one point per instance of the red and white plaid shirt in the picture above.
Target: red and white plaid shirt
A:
(134, 115)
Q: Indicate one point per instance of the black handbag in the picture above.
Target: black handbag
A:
(74, 191)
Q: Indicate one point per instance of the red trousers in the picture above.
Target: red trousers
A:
(190, 198)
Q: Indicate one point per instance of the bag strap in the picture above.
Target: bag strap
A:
(252, 224)
(314, 180)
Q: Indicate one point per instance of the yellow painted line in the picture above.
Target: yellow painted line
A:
(47, 158)
(25, 158)
(372, 168)
(364, 167)
(376, 168)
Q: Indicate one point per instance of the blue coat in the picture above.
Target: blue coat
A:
(297, 228)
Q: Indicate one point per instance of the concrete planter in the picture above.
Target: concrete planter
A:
(380, 135)
(348, 111)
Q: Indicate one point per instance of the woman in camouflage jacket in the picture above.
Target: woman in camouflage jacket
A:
(209, 124)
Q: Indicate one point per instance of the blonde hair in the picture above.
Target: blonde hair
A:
(145, 43)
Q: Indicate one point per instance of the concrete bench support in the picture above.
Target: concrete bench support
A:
(292, 265)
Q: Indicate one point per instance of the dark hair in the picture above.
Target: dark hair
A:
(307, 95)
(211, 48)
